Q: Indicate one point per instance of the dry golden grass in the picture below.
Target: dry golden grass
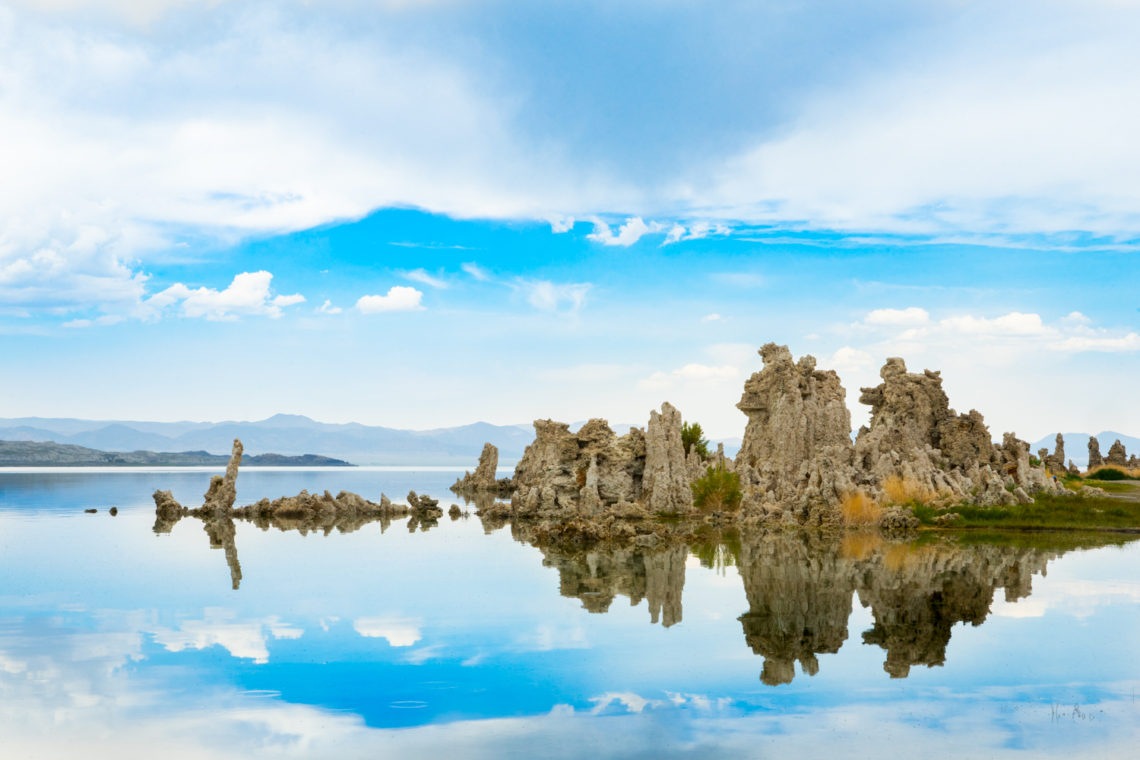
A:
(900, 490)
(857, 508)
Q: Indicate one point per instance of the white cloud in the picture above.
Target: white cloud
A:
(475, 271)
(711, 318)
(245, 639)
(690, 374)
(629, 233)
(421, 276)
(399, 632)
(908, 316)
(560, 224)
(328, 308)
(248, 295)
(398, 298)
(550, 296)
(1129, 342)
(1014, 323)
(848, 359)
(696, 231)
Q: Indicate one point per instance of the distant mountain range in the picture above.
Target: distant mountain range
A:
(291, 435)
(1077, 445)
(40, 454)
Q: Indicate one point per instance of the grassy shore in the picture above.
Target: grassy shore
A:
(1117, 510)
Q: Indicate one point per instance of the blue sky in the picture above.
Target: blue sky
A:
(425, 214)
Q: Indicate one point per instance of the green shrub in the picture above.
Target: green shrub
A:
(1109, 473)
(1034, 461)
(718, 490)
(692, 436)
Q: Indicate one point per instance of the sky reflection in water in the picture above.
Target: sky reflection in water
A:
(114, 640)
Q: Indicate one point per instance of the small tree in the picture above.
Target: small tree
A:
(717, 490)
(693, 437)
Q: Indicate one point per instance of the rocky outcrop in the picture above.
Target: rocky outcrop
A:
(1095, 459)
(222, 492)
(916, 437)
(796, 449)
(665, 482)
(484, 479)
(589, 472)
(1055, 462)
(423, 511)
(1117, 456)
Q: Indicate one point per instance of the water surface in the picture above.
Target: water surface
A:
(470, 641)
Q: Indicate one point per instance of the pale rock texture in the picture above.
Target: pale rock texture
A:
(797, 443)
(1117, 456)
(553, 472)
(665, 482)
(223, 489)
(1095, 459)
(484, 478)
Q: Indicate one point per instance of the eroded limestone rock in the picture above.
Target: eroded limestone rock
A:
(222, 492)
(1117, 456)
(484, 478)
(1095, 459)
(560, 470)
(797, 448)
(665, 483)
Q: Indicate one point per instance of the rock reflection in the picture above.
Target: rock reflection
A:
(652, 570)
(801, 585)
(800, 590)
(799, 599)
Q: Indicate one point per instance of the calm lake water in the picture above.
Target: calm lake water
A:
(457, 642)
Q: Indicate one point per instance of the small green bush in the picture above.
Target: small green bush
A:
(717, 491)
(1034, 461)
(1109, 473)
(692, 436)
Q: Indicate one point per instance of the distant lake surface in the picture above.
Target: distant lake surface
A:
(469, 640)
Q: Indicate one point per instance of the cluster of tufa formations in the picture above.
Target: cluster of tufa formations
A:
(797, 463)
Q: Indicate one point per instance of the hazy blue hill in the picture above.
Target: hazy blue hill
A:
(286, 434)
(121, 437)
(49, 454)
(1077, 445)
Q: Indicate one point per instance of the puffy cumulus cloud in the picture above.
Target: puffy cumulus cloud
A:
(560, 224)
(328, 308)
(1013, 332)
(848, 359)
(911, 315)
(544, 295)
(248, 295)
(398, 298)
(399, 632)
(1014, 323)
(244, 639)
(629, 233)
